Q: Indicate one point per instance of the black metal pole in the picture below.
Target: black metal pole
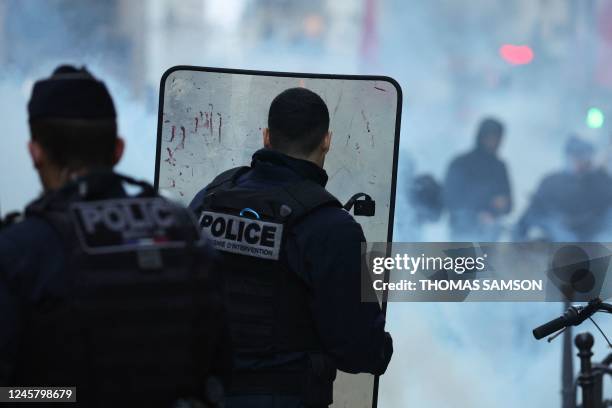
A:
(586, 380)
(568, 391)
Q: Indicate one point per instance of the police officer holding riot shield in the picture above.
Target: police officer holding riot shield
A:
(291, 258)
(105, 291)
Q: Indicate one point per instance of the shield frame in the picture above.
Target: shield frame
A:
(348, 77)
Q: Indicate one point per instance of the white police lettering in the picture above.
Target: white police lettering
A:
(122, 215)
(127, 224)
(244, 236)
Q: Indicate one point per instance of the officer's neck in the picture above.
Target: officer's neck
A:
(316, 158)
(54, 177)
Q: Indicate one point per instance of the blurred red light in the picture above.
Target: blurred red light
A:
(516, 54)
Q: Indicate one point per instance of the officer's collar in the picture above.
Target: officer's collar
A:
(96, 184)
(303, 168)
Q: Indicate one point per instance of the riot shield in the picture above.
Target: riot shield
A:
(211, 120)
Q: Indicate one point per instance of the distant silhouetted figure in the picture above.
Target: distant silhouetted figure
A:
(477, 188)
(572, 204)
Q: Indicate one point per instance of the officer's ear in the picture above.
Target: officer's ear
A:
(119, 148)
(266, 138)
(326, 142)
(37, 153)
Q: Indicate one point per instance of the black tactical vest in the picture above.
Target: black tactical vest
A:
(268, 304)
(134, 322)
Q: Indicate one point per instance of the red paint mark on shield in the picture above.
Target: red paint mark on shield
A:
(207, 123)
(170, 159)
(516, 54)
(182, 144)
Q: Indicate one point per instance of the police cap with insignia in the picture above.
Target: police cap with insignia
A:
(70, 93)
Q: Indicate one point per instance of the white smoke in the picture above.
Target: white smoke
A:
(446, 355)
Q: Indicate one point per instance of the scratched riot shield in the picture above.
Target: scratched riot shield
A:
(211, 120)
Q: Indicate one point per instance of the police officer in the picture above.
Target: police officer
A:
(99, 289)
(291, 258)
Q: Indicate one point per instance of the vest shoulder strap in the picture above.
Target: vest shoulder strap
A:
(300, 198)
(53, 209)
(226, 179)
(308, 196)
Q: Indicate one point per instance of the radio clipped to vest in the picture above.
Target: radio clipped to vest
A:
(362, 204)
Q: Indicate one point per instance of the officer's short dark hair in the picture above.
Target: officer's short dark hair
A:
(298, 120)
(72, 116)
(76, 143)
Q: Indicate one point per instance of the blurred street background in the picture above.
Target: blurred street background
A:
(543, 68)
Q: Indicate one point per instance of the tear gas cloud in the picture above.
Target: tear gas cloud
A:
(456, 61)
